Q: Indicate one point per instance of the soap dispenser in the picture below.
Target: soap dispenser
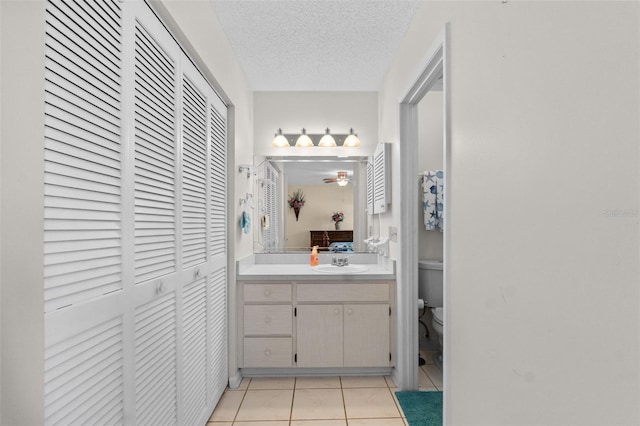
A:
(314, 261)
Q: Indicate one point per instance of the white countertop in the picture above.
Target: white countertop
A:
(291, 267)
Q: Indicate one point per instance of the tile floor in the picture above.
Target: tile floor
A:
(319, 401)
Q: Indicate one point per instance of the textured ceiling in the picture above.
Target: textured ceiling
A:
(315, 45)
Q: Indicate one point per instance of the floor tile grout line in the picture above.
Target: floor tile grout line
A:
(293, 399)
(344, 403)
(241, 401)
(397, 403)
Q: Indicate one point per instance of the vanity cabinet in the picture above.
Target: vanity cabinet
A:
(343, 335)
(303, 324)
(351, 331)
(267, 318)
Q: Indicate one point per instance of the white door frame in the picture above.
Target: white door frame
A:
(433, 67)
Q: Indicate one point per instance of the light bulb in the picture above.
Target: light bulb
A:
(352, 140)
(279, 141)
(304, 141)
(327, 140)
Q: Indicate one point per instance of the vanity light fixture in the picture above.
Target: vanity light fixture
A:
(321, 140)
(304, 141)
(352, 140)
(327, 140)
(280, 141)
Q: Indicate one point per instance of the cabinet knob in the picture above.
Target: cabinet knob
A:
(160, 287)
(267, 320)
(349, 311)
(336, 311)
(267, 352)
(196, 273)
(267, 292)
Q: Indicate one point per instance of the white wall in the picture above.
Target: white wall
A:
(22, 212)
(543, 189)
(315, 111)
(321, 201)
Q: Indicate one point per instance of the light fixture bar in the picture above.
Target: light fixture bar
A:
(322, 140)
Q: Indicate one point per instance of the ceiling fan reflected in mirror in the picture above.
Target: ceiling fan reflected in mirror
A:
(341, 180)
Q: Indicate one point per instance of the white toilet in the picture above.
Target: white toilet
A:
(430, 289)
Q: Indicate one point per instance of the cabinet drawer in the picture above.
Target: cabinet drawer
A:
(342, 292)
(267, 292)
(267, 319)
(268, 352)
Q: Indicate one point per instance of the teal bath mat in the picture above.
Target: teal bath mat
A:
(421, 408)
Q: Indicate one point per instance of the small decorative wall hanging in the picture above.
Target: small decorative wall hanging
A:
(296, 201)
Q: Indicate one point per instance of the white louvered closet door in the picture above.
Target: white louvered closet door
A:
(84, 270)
(204, 250)
(158, 288)
(135, 222)
(217, 366)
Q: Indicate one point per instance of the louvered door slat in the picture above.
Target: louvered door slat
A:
(71, 63)
(154, 157)
(155, 56)
(218, 184)
(218, 333)
(154, 170)
(155, 136)
(84, 373)
(82, 126)
(195, 343)
(155, 360)
(82, 154)
(101, 36)
(64, 44)
(194, 175)
(67, 100)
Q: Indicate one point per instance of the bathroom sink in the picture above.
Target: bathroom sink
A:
(348, 269)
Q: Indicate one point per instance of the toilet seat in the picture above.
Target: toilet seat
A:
(438, 315)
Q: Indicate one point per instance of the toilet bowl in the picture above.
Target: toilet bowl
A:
(438, 322)
(430, 290)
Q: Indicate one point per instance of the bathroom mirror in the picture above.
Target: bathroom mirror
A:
(279, 230)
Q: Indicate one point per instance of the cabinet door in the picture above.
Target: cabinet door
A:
(366, 335)
(320, 335)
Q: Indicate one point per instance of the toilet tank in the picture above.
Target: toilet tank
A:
(430, 283)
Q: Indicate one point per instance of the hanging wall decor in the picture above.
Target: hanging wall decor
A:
(296, 201)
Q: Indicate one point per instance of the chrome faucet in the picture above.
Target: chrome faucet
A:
(340, 261)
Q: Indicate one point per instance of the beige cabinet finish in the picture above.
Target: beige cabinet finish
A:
(320, 335)
(366, 335)
(268, 352)
(267, 292)
(267, 318)
(328, 324)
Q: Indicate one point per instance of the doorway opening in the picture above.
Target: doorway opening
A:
(433, 73)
